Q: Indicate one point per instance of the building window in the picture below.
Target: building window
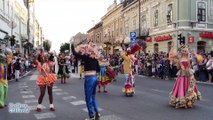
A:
(201, 12)
(201, 45)
(134, 24)
(156, 18)
(143, 22)
(2, 5)
(169, 46)
(169, 14)
(156, 48)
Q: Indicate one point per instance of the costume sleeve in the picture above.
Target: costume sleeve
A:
(83, 57)
(123, 56)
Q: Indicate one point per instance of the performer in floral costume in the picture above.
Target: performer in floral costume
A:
(185, 92)
(46, 79)
(3, 81)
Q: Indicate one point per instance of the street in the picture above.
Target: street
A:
(149, 103)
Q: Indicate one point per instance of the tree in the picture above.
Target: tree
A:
(64, 47)
(47, 45)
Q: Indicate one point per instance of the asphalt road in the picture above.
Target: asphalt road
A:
(149, 103)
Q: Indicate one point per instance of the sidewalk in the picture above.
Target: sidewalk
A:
(198, 82)
(25, 74)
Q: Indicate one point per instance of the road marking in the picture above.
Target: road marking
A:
(44, 115)
(24, 83)
(86, 110)
(33, 77)
(25, 86)
(26, 92)
(54, 87)
(110, 117)
(69, 97)
(31, 101)
(28, 96)
(35, 106)
(61, 93)
(75, 75)
(79, 102)
(55, 90)
(160, 91)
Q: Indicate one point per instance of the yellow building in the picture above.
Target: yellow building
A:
(113, 26)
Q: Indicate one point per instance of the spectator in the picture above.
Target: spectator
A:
(209, 67)
(17, 67)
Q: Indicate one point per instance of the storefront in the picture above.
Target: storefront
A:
(159, 43)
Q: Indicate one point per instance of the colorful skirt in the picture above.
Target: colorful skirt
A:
(103, 78)
(43, 80)
(63, 72)
(185, 92)
(129, 89)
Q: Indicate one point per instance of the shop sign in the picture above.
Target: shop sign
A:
(148, 39)
(163, 38)
(191, 39)
(206, 34)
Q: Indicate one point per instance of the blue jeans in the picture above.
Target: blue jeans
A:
(90, 90)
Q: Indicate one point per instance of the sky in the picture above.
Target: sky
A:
(62, 19)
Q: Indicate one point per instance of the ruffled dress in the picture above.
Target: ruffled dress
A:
(45, 78)
(104, 79)
(185, 92)
(63, 69)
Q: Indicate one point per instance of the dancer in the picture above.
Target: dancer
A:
(185, 92)
(3, 81)
(91, 68)
(103, 78)
(46, 79)
(129, 88)
(128, 67)
(63, 71)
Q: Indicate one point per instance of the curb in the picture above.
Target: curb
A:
(198, 82)
(21, 76)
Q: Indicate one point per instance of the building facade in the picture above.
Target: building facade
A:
(165, 20)
(130, 14)
(79, 38)
(95, 34)
(113, 27)
(13, 21)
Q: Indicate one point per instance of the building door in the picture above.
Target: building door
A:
(201, 46)
(169, 46)
(156, 48)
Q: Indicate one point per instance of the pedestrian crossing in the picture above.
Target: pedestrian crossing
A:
(32, 102)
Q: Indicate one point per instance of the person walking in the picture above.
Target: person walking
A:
(17, 67)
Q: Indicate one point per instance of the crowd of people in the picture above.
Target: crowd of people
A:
(98, 70)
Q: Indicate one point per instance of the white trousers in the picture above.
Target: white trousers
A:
(17, 72)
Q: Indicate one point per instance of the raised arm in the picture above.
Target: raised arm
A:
(83, 57)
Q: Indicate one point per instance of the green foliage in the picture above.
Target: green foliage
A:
(64, 47)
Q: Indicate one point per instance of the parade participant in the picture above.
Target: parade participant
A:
(46, 79)
(52, 62)
(103, 78)
(3, 81)
(184, 93)
(128, 89)
(63, 72)
(17, 67)
(91, 68)
(128, 67)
